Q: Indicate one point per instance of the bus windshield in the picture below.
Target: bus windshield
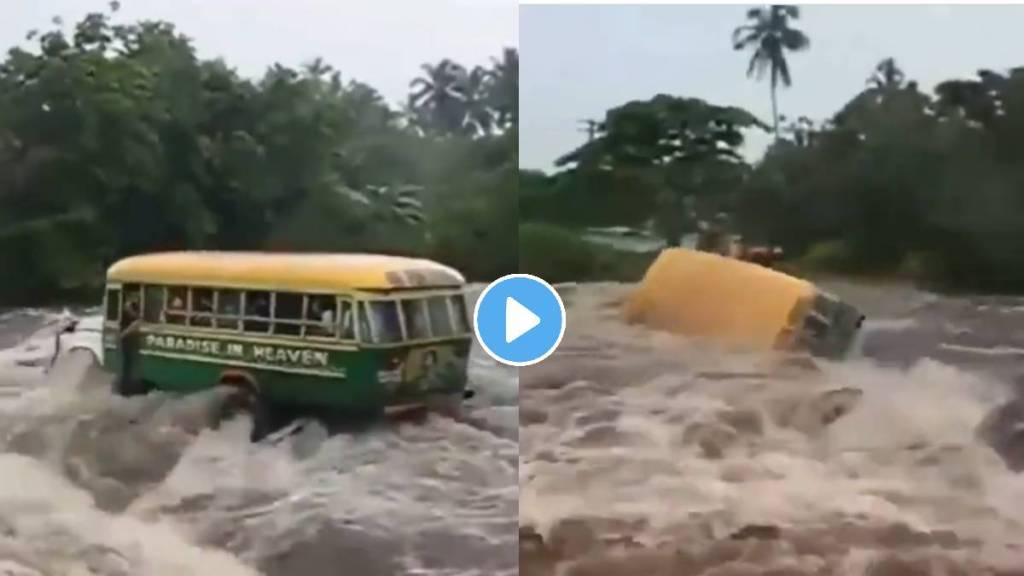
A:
(413, 318)
(386, 326)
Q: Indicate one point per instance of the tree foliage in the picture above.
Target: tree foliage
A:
(117, 139)
(907, 181)
(896, 181)
(449, 99)
(668, 160)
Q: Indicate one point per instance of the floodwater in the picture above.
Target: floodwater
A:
(92, 484)
(643, 453)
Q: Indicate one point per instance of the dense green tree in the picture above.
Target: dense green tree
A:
(680, 155)
(897, 181)
(117, 139)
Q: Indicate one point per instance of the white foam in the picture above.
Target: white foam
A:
(56, 526)
(907, 455)
(95, 490)
(982, 350)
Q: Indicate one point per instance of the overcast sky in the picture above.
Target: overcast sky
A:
(379, 42)
(578, 61)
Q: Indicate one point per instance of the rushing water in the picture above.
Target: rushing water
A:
(642, 453)
(95, 484)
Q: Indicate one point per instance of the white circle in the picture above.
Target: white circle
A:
(476, 323)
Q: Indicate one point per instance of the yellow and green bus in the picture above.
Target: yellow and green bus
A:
(340, 333)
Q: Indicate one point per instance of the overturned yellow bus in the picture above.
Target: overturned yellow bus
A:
(741, 304)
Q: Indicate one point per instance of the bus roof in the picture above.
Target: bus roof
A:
(298, 272)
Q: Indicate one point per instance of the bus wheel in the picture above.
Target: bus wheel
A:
(243, 401)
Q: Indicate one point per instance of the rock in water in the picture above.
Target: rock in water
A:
(1003, 430)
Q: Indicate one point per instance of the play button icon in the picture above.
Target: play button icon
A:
(519, 319)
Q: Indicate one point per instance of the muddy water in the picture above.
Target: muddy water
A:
(642, 453)
(99, 485)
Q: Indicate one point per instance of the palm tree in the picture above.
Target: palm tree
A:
(480, 117)
(887, 76)
(439, 96)
(503, 87)
(770, 36)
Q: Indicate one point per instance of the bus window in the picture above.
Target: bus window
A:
(257, 312)
(365, 334)
(387, 326)
(175, 311)
(228, 304)
(202, 307)
(415, 312)
(458, 305)
(347, 316)
(131, 293)
(288, 313)
(114, 304)
(153, 304)
(320, 315)
(440, 319)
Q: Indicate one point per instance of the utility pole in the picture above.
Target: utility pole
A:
(590, 128)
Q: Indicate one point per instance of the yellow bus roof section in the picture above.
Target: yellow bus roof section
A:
(706, 295)
(328, 273)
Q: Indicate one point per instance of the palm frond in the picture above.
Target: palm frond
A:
(745, 36)
(793, 39)
(764, 63)
(353, 195)
(756, 64)
(787, 10)
(783, 68)
(422, 93)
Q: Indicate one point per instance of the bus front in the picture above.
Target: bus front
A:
(417, 343)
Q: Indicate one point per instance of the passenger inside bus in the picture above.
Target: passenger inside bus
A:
(202, 307)
(321, 314)
(257, 307)
(227, 309)
(175, 312)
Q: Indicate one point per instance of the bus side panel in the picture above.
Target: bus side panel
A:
(375, 378)
(111, 349)
(367, 379)
(357, 390)
(411, 373)
(178, 375)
